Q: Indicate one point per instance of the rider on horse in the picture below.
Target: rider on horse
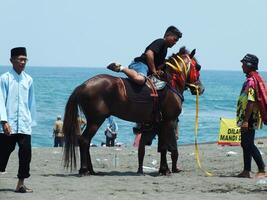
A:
(149, 63)
(151, 59)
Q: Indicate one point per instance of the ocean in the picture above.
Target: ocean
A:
(53, 85)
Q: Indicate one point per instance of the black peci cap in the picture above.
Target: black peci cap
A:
(18, 51)
(251, 61)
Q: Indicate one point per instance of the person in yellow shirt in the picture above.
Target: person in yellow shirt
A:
(248, 119)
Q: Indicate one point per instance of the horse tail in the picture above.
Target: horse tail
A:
(71, 130)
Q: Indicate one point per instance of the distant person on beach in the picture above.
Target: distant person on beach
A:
(58, 132)
(17, 114)
(248, 118)
(150, 61)
(145, 133)
(111, 132)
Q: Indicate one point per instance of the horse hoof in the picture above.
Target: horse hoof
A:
(177, 170)
(165, 172)
(84, 172)
(140, 173)
(92, 173)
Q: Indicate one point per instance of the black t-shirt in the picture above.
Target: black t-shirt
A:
(160, 51)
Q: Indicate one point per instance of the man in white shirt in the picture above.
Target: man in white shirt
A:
(17, 115)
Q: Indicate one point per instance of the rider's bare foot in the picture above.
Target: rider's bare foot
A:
(114, 67)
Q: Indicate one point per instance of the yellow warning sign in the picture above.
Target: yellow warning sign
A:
(229, 132)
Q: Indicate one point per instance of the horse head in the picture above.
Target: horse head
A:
(182, 71)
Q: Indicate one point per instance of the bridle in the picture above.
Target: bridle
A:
(186, 70)
(182, 68)
(177, 67)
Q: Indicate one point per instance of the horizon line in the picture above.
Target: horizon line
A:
(39, 66)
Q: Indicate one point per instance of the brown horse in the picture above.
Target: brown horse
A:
(105, 95)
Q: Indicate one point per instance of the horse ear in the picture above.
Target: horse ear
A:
(182, 50)
(192, 53)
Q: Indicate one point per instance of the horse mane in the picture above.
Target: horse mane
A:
(182, 51)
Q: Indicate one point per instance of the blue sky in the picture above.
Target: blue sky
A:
(94, 33)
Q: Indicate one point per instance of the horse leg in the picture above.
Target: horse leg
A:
(89, 161)
(167, 141)
(164, 169)
(174, 157)
(84, 143)
(141, 154)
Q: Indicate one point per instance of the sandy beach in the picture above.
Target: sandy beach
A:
(117, 178)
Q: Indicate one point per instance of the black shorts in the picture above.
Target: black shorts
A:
(167, 139)
(147, 138)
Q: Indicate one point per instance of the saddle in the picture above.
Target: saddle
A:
(150, 93)
(158, 84)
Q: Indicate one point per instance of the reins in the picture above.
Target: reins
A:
(176, 92)
(185, 69)
(196, 133)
